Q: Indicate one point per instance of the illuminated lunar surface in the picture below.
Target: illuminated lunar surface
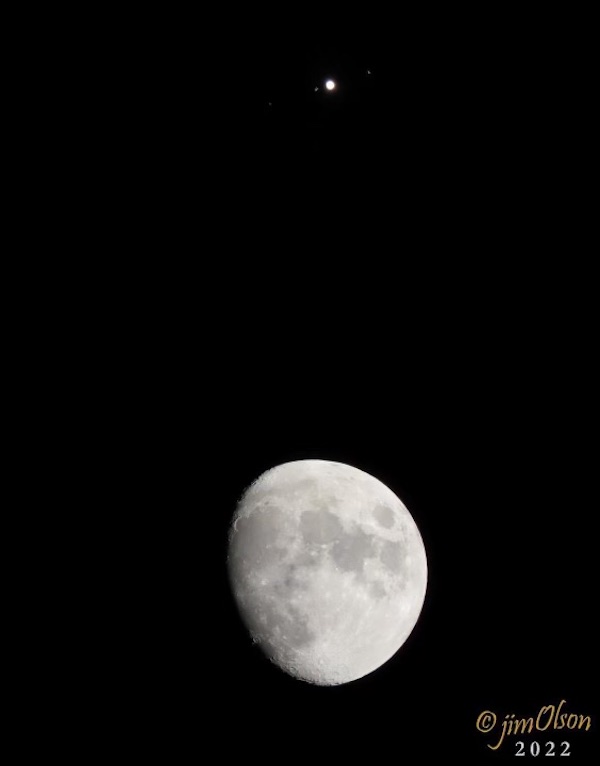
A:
(328, 570)
(330, 85)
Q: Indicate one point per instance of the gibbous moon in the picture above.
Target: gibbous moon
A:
(330, 85)
(327, 568)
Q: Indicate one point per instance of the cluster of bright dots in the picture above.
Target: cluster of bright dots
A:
(330, 85)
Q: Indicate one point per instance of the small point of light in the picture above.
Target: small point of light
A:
(330, 85)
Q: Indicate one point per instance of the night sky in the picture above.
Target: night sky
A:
(395, 274)
(416, 329)
(436, 88)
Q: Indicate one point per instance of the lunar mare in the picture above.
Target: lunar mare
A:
(328, 570)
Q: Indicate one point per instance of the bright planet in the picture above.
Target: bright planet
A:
(327, 568)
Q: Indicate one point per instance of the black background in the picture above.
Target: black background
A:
(395, 275)
(399, 311)
(490, 466)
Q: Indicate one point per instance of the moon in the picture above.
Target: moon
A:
(328, 570)
(330, 85)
